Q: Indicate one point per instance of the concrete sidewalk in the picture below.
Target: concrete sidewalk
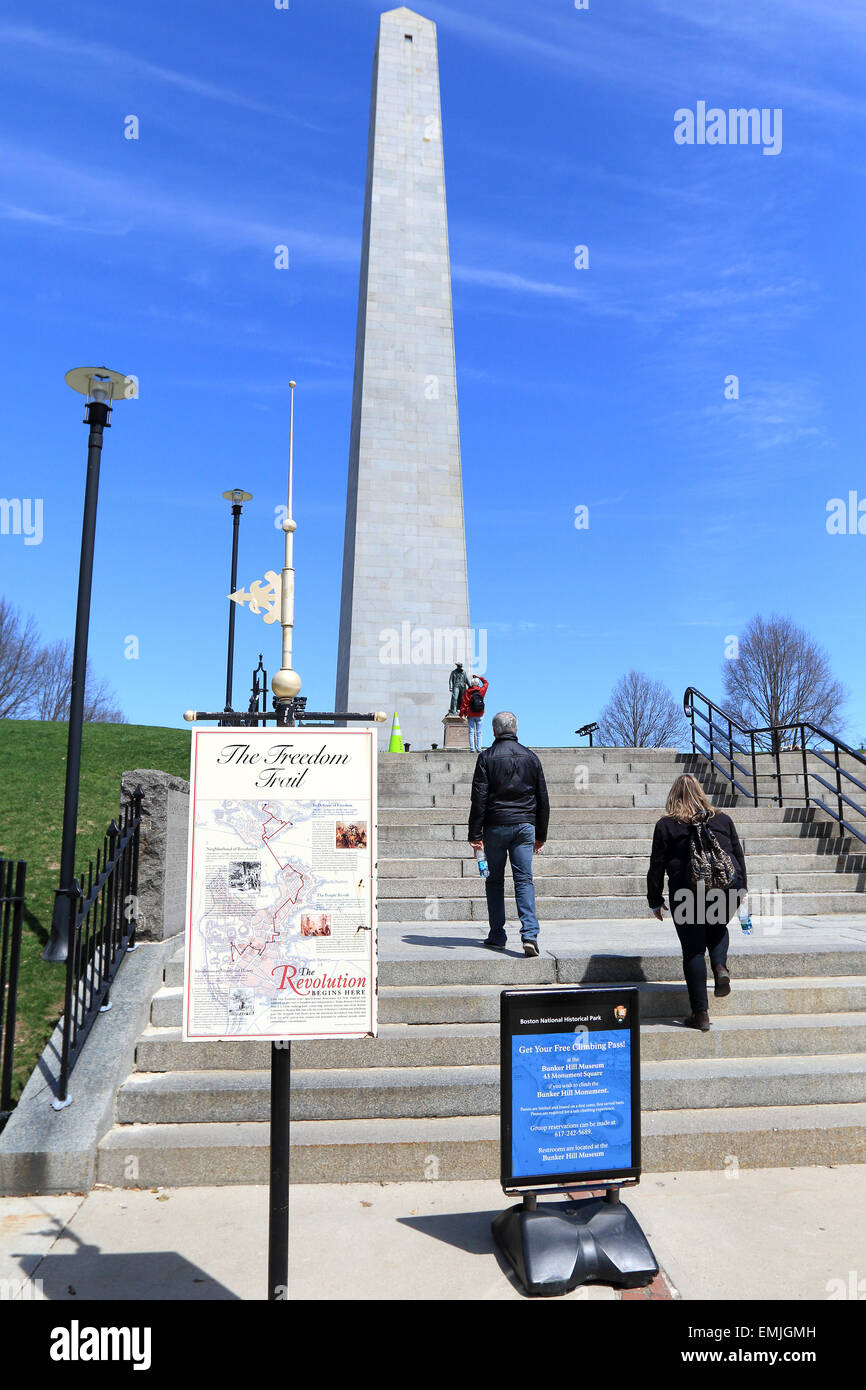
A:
(786, 1233)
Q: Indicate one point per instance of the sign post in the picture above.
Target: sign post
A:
(280, 1135)
(281, 927)
(570, 1120)
(281, 950)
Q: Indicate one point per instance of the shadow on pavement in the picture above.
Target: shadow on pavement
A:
(89, 1273)
(469, 1231)
(451, 942)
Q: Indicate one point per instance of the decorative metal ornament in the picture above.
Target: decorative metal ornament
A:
(263, 597)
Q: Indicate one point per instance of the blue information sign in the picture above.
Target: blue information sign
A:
(570, 1086)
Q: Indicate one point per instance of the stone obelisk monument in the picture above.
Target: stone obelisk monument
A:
(404, 617)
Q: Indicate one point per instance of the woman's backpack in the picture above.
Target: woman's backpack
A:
(709, 863)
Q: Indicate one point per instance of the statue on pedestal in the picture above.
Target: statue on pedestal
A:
(458, 684)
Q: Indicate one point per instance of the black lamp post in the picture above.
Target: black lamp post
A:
(103, 389)
(588, 729)
(237, 497)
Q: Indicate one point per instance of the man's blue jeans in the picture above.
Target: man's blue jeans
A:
(515, 842)
(474, 722)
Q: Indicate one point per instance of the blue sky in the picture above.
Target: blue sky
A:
(601, 387)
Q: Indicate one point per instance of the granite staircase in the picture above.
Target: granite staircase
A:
(780, 1079)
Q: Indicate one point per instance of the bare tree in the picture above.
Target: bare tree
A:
(641, 713)
(36, 681)
(781, 676)
(19, 657)
(54, 687)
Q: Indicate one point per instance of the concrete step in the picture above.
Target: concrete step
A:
(477, 1000)
(560, 765)
(459, 805)
(585, 885)
(466, 1148)
(574, 779)
(465, 963)
(762, 957)
(553, 865)
(451, 908)
(479, 1003)
(577, 785)
(430, 835)
(396, 846)
(682, 759)
(193, 1097)
(581, 782)
(486, 965)
(583, 813)
(477, 1044)
(462, 757)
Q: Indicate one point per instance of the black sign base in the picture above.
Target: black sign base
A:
(554, 1248)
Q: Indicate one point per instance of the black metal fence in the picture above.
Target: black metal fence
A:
(719, 737)
(12, 877)
(104, 918)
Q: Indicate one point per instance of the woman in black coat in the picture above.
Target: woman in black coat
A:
(700, 914)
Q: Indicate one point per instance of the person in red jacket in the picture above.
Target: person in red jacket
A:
(472, 709)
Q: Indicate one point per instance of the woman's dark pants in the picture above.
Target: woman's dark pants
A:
(695, 940)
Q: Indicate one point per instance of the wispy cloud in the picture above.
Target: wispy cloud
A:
(521, 284)
(645, 293)
(62, 45)
(139, 207)
(9, 212)
(652, 45)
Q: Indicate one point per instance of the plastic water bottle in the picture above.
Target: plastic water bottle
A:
(482, 867)
(745, 918)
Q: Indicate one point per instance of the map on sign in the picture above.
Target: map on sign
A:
(280, 936)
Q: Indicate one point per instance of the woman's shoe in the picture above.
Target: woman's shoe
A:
(723, 981)
(699, 1020)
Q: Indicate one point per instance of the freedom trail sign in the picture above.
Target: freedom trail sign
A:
(570, 1118)
(281, 908)
(282, 894)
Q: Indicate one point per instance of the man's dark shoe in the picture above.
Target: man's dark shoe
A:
(494, 945)
(530, 948)
(723, 981)
(699, 1020)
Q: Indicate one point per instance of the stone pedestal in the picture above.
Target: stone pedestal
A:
(162, 863)
(456, 732)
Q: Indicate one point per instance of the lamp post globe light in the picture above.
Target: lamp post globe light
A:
(102, 390)
(237, 497)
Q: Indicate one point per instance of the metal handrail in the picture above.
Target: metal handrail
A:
(688, 706)
(12, 878)
(101, 932)
(806, 730)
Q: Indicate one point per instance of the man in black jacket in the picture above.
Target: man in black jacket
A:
(509, 819)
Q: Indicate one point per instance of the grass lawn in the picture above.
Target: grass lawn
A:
(32, 778)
